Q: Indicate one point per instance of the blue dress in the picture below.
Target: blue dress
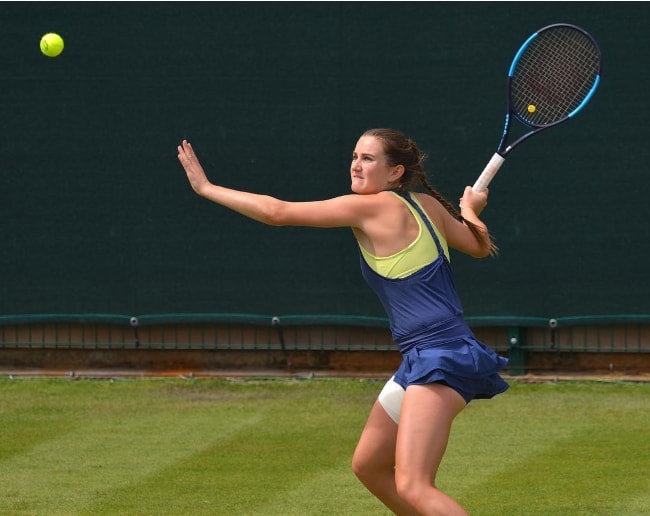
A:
(427, 324)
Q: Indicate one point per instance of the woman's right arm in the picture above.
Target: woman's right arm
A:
(459, 236)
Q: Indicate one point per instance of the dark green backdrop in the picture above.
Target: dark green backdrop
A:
(96, 214)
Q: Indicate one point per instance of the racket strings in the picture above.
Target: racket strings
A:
(554, 75)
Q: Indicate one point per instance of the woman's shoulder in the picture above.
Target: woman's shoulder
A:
(428, 202)
(432, 207)
(380, 198)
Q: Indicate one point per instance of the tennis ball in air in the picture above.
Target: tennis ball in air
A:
(51, 44)
(531, 108)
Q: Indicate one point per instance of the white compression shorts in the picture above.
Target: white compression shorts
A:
(390, 398)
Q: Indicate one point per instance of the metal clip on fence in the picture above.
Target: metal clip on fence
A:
(275, 321)
(134, 322)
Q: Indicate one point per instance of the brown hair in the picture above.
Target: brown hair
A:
(401, 150)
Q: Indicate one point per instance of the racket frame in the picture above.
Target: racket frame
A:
(503, 149)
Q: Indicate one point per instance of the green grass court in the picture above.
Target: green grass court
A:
(283, 447)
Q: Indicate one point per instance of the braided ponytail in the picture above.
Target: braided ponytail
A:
(478, 233)
(401, 150)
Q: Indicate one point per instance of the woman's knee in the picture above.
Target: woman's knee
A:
(358, 465)
(364, 467)
(370, 467)
(411, 489)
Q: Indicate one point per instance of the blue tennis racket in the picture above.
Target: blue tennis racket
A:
(552, 77)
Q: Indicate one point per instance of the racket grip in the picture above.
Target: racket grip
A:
(488, 173)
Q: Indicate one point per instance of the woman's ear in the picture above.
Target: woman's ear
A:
(397, 173)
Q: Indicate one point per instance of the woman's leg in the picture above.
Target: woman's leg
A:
(425, 422)
(374, 460)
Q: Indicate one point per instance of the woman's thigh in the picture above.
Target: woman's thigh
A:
(425, 423)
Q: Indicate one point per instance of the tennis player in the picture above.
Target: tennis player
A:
(404, 239)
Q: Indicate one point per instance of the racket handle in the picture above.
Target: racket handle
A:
(488, 173)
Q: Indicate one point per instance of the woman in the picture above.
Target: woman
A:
(403, 240)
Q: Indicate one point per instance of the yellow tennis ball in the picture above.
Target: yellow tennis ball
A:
(51, 44)
(531, 108)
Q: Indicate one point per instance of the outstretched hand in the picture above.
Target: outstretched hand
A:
(195, 173)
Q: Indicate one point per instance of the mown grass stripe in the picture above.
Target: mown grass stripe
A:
(283, 447)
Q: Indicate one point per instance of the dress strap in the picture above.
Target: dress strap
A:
(407, 196)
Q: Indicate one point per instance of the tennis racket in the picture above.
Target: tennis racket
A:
(551, 79)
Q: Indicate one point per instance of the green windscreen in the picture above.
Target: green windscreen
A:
(97, 215)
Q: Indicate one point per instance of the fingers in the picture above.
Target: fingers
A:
(469, 190)
(470, 193)
(472, 199)
(185, 150)
(185, 147)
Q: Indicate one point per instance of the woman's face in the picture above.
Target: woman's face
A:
(370, 171)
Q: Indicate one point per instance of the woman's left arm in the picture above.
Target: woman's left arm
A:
(343, 211)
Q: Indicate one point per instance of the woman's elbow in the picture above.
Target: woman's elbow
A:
(481, 253)
(275, 214)
(485, 249)
(477, 249)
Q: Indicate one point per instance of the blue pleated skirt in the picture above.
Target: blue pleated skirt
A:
(466, 365)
